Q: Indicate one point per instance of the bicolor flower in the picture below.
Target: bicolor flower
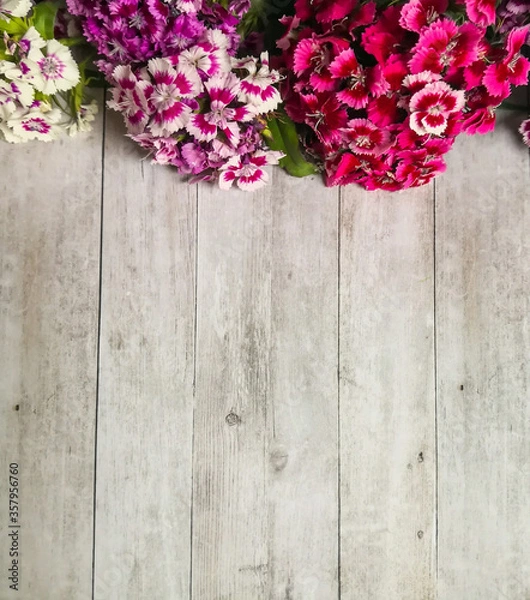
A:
(346, 67)
(364, 137)
(38, 123)
(431, 107)
(14, 8)
(257, 88)
(167, 93)
(57, 70)
(221, 117)
(248, 173)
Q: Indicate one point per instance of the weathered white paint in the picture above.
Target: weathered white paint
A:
(146, 378)
(387, 395)
(483, 275)
(260, 437)
(49, 286)
(265, 459)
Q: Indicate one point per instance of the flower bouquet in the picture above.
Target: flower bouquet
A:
(42, 87)
(188, 95)
(380, 90)
(372, 92)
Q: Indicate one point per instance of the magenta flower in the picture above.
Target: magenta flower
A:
(512, 69)
(444, 44)
(248, 174)
(346, 67)
(222, 118)
(418, 14)
(481, 12)
(364, 137)
(431, 107)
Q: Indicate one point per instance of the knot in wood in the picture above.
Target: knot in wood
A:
(232, 419)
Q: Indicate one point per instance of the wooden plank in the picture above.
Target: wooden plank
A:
(265, 460)
(483, 274)
(49, 287)
(387, 395)
(146, 378)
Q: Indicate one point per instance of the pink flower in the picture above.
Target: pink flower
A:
(417, 167)
(247, 172)
(221, 118)
(444, 44)
(170, 86)
(129, 96)
(325, 11)
(325, 115)
(417, 14)
(257, 88)
(415, 83)
(312, 58)
(481, 12)
(364, 137)
(291, 24)
(513, 69)
(479, 116)
(347, 68)
(383, 111)
(381, 38)
(431, 107)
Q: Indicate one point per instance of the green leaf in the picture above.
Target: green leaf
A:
(73, 41)
(282, 136)
(43, 17)
(14, 27)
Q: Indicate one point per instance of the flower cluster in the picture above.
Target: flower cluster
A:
(184, 95)
(382, 93)
(40, 82)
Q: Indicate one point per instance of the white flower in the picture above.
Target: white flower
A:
(257, 88)
(14, 8)
(57, 68)
(26, 69)
(83, 121)
(50, 68)
(37, 123)
(13, 95)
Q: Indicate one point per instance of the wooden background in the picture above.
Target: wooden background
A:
(300, 394)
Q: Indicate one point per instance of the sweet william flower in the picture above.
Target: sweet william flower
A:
(364, 137)
(418, 167)
(13, 95)
(512, 69)
(14, 8)
(55, 70)
(431, 107)
(346, 67)
(312, 59)
(481, 12)
(167, 93)
(221, 118)
(37, 123)
(325, 11)
(444, 44)
(249, 172)
(418, 14)
(129, 96)
(258, 89)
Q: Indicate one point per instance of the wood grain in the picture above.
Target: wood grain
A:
(265, 458)
(387, 395)
(146, 378)
(483, 274)
(49, 283)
